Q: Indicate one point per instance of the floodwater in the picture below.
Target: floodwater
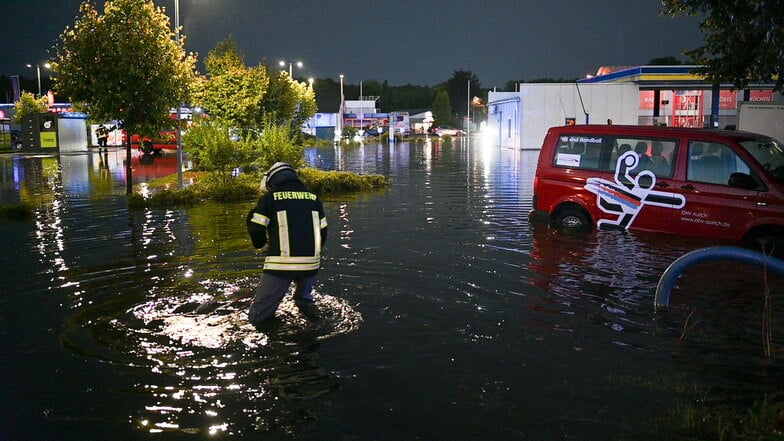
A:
(445, 313)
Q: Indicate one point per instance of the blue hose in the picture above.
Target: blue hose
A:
(671, 274)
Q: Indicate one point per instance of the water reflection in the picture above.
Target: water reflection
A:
(438, 283)
(206, 371)
(212, 362)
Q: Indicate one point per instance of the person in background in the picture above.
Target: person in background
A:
(289, 222)
(102, 132)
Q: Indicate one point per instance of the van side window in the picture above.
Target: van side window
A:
(770, 155)
(654, 154)
(577, 151)
(713, 163)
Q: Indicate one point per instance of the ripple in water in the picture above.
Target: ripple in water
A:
(213, 371)
(225, 322)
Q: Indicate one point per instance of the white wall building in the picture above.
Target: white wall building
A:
(521, 119)
(647, 95)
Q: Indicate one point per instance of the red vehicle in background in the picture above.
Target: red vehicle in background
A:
(166, 139)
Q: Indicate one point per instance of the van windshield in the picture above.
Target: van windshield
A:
(769, 153)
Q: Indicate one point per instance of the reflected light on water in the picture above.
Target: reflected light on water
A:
(208, 359)
(345, 230)
(144, 190)
(501, 320)
(51, 234)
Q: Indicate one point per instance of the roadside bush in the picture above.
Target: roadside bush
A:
(274, 144)
(28, 104)
(213, 150)
(240, 188)
(165, 198)
(322, 182)
(208, 186)
(349, 133)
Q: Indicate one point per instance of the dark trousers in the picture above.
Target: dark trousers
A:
(271, 291)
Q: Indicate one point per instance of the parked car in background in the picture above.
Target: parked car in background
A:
(448, 131)
(374, 130)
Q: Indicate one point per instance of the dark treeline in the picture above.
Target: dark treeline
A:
(388, 98)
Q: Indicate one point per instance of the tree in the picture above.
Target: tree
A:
(306, 103)
(372, 88)
(512, 85)
(242, 96)
(744, 39)
(409, 97)
(442, 110)
(478, 109)
(124, 65)
(289, 101)
(664, 61)
(233, 93)
(224, 58)
(457, 88)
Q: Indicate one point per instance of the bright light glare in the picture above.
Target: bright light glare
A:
(215, 429)
(488, 137)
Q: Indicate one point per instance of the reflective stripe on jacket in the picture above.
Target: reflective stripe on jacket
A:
(291, 220)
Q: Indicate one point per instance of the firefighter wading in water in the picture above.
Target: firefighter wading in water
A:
(289, 221)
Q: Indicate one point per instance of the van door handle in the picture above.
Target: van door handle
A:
(687, 187)
(662, 184)
(762, 204)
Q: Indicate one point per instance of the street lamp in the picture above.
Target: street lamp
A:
(283, 64)
(339, 122)
(179, 105)
(38, 71)
(342, 102)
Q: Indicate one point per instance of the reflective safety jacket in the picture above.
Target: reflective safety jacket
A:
(290, 219)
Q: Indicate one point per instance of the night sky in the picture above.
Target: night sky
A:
(418, 42)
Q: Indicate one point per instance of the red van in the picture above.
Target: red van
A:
(713, 183)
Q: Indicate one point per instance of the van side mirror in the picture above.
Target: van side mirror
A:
(742, 180)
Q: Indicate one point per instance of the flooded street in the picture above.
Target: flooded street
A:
(446, 314)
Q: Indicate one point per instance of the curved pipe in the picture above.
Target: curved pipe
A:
(671, 274)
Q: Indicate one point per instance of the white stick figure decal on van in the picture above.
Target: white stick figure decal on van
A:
(627, 195)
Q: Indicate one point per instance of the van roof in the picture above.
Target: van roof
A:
(656, 131)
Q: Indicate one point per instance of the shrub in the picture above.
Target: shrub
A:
(214, 150)
(274, 144)
(210, 186)
(349, 133)
(28, 104)
(239, 188)
(165, 198)
(321, 182)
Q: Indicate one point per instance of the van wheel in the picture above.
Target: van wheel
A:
(572, 219)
